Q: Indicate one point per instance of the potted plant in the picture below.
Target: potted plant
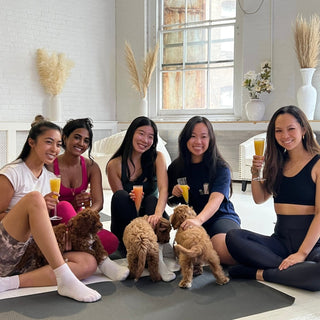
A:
(257, 83)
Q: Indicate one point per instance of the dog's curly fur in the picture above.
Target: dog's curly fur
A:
(141, 242)
(194, 247)
(80, 234)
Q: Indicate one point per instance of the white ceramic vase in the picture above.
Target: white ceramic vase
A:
(255, 109)
(55, 108)
(143, 107)
(307, 94)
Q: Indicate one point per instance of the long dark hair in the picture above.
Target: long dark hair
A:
(212, 158)
(276, 155)
(38, 127)
(148, 158)
(73, 124)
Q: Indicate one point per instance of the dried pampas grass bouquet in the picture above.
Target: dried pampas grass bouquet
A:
(53, 70)
(149, 64)
(307, 41)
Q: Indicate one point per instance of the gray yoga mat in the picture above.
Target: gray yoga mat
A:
(144, 299)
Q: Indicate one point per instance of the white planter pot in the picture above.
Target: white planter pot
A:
(255, 109)
(307, 94)
(55, 108)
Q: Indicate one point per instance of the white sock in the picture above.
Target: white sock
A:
(9, 283)
(166, 275)
(172, 264)
(70, 286)
(113, 270)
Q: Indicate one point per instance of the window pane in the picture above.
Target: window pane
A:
(197, 11)
(222, 44)
(172, 90)
(223, 9)
(197, 47)
(172, 48)
(174, 12)
(221, 88)
(196, 84)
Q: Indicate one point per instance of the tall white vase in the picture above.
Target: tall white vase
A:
(55, 108)
(307, 94)
(255, 109)
(143, 107)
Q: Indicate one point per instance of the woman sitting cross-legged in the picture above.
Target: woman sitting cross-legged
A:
(291, 255)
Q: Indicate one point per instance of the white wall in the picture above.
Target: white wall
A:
(84, 30)
(268, 34)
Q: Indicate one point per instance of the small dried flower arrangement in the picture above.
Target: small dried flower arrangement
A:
(53, 70)
(256, 83)
(149, 64)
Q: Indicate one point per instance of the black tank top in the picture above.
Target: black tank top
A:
(299, 189)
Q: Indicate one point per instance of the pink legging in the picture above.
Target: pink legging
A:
(108, 239)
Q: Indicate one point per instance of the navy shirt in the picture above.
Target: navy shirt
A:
(201, 187)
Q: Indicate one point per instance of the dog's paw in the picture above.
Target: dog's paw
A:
(185, 284)
(222, 281)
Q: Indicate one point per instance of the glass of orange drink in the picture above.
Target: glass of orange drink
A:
(55, 187)
(259, 150)
(182, 182)
(138, 192)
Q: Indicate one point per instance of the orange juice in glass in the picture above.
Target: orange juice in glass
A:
(259, 149)
(138, 191)
(185, 192)
(55, 187)
(182, 182)
(259, 146)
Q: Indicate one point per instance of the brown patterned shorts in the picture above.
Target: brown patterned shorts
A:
(11, 252)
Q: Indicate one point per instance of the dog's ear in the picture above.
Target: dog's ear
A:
(162, 230)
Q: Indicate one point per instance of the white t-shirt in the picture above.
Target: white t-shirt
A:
(23, 180)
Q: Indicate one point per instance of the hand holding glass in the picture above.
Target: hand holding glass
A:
(182, 182)
(138, 191)
(259, 149)
(55, 187)
(86, 198)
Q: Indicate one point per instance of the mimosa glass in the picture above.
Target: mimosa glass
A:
(55, 187)
(138, 191)
(182, 182)
(259, 150)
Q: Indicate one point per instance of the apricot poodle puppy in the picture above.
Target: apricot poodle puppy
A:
(194, 247)
(141, 242)
(80, 234)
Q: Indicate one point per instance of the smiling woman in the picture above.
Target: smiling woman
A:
(137, 162)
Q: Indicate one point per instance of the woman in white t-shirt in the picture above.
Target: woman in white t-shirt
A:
(26, 198)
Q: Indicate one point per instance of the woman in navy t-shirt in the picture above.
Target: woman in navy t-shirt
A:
(209, 179)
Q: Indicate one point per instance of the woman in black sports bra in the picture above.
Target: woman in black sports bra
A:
(291, 255)
(137, 162)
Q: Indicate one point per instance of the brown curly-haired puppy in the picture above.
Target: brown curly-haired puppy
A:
(162, 230)
(140, 241)
(194, 247)
(80, 234)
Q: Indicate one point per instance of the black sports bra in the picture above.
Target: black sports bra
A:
(299, 189)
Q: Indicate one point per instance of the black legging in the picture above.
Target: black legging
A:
(267, 252)
(123, 211)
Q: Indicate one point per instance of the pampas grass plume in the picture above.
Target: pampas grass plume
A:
(307, 41)
(53, 70)
(149, 64)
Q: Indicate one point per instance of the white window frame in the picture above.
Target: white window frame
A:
(154, 94)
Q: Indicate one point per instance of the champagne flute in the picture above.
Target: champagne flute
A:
(259, 149)
(55, 187)
(182, 182)
(138, 191)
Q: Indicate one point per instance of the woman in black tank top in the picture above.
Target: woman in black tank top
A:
(137, 162)
(291, 255)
